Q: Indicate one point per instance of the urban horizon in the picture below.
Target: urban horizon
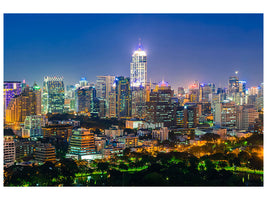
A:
(178, 114)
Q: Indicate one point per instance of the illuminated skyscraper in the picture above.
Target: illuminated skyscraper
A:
(104, 86)
(138, 102)
(83, 82)
(21, 106)
(123, 97)
(160, 108)
(53, 95)
(233, 84)
(11, 89)
(38, 94)
(138, 73)
(85, 99)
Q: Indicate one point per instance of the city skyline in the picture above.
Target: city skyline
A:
(194, 46)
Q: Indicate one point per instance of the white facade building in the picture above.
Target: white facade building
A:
(138, 72)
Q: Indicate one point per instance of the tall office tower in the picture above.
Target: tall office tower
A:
(21, 106)
(11, 89)
(138, 72)
(233, 86)
(82, 142)
(85, 99)
(111, 109)
(123, 97)
(53, 95)
(104, 86)
(181, 91)
(180, 117)
(206, 91)
(38, 95)
(9, 148)
(242, 87)
(33, 126)
(70, 97)
(192, 112)
(83, 82)
(100, 107)
(253, 91)
(225, 115)
(23, 85)
(246, 116)
(138, 102)
(194, 92)
(160, 107)
(259, 100)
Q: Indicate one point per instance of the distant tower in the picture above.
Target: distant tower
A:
(138, 73)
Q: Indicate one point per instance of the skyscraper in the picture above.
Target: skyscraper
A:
(123, 97)
(85, 99)
(38, 94)
(104, 88)
(21, 106)
(138, 73)
(53, 95)
(160, 107)
(11, 89)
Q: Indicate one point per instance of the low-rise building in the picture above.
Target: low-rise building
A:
(113, 131)
(161, 134)
(45, 152)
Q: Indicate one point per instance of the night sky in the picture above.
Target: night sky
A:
(181, 48)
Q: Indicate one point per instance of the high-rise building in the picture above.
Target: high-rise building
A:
(112, 110)
(233, 84)
(192, 112)
(138, 102)
(11, 89)
(82, 142)
(104, 86)
(70, 98)
(246, 116)
(21, 106)
(194, 92)
(123, 97)
(206, 91)
(160, 107)
(138, 72)
(225, 115)
(9, 148)
(38, 96)
(100, 107)
(83, 82)
(53, 95)
(85, 99)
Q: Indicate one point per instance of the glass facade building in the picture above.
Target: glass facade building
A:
(53, 95)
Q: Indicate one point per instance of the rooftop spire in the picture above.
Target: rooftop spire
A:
(140, 46)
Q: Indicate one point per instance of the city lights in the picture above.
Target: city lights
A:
(129, 127)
